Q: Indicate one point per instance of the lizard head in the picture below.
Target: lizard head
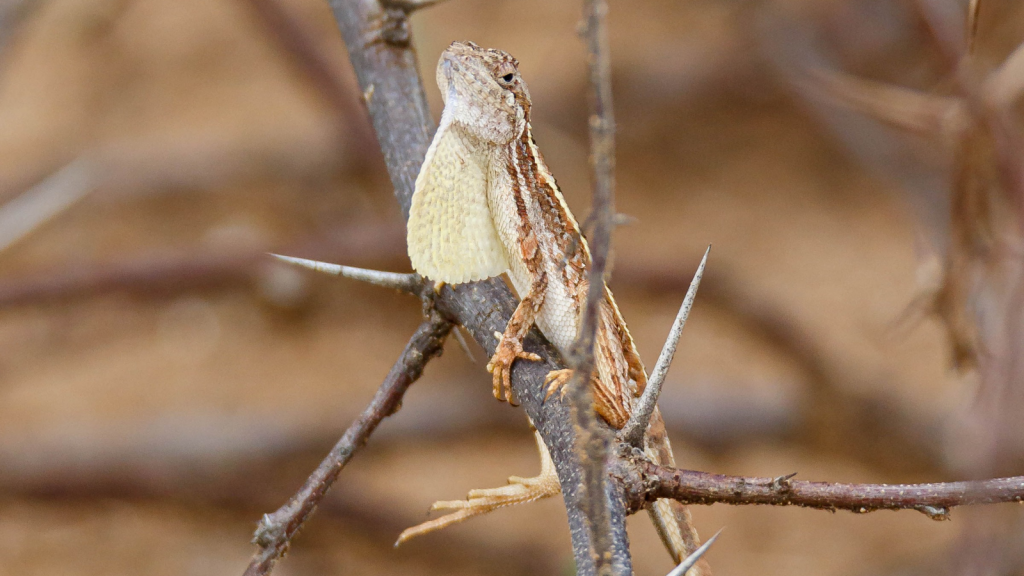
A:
(483, 92)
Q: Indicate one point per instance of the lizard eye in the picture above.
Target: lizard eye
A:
(505, 74)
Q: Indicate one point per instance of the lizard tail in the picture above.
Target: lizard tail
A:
(671, 519)
(675, 527)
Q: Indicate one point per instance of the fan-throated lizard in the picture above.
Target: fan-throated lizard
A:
(485, 204)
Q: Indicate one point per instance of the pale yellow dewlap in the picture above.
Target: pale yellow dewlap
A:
(451, 233)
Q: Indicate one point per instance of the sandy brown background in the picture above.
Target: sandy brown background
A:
(162, 385)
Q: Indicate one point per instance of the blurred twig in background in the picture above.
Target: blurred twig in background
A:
(11, 12)
(980, 294)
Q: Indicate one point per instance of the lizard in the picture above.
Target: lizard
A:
(485, 204)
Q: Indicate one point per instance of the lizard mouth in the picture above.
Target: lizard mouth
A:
(445, 68)
(447, 64)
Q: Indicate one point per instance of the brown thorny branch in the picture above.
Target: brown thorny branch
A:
(379, 47)
(934, 500)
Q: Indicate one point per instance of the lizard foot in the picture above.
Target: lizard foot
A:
(508, 351)
(518, 491)
(555, 381)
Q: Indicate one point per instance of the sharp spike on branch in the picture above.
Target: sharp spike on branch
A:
(410, 283)
(463, 344)
(633, 432)
(692, 559)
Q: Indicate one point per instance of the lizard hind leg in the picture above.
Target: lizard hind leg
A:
(518, 491)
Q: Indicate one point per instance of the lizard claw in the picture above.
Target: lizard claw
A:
(508, 351)
(555, 380)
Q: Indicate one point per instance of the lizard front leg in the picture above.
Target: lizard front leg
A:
(510, 344)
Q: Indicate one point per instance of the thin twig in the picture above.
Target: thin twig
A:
(410, 283)
(935, 500)
(276, 530)
(633, 431)
(594, 440)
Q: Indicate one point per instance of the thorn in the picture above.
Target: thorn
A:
(693, 558)
(327, 268)
(264, 534)
(633, 431)
(781, 483)
(462, 343)
(937, 513)
(410, 283)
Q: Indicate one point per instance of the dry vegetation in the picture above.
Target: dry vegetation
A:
(162, 384)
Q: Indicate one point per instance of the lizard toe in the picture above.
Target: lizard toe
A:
(555, 380)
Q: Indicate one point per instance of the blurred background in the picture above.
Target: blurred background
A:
(163, 384)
